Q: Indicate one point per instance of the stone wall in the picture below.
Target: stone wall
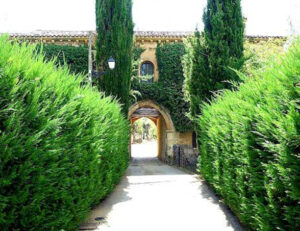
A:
(180, 151)
(183, 156)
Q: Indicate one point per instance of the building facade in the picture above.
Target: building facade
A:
(174, 147)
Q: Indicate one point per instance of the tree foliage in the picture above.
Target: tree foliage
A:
(115, 39)
(63, 146)
(169, 58)
(260, 53)
(76, 58)
(224, 38)
(213, 55)
(136, 61)
(195, 63)
(250, 146)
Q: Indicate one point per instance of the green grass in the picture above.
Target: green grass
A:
(63, 146)
(250, 146)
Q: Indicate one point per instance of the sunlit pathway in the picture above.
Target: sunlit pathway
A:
(155, 197)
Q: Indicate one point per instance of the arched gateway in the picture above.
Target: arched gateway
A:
(162, 119)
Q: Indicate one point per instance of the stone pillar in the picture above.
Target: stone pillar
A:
(159, 128)
(172, 139)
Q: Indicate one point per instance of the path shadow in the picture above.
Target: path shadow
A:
(208, 193)
(119, 195)
(151, 166)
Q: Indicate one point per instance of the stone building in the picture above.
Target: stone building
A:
(173, 147)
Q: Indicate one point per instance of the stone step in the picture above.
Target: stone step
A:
(88, 226)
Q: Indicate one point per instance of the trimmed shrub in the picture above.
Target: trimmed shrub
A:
(250, 146)
(63, 147)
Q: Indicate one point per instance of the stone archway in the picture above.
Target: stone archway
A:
(161, 117)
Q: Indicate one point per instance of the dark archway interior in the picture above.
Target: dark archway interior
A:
(150, 113)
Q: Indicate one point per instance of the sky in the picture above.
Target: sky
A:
(264, 17)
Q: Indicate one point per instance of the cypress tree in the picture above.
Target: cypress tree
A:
(224, 37)
(197, 85)
(115, 39)
(212, 55)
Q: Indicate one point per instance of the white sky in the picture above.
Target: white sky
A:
(265, 17)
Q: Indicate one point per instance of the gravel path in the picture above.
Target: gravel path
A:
(153, 196)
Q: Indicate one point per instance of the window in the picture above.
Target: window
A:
(147, 72)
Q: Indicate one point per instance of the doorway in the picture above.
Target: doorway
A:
(164, 126)
(144, 139)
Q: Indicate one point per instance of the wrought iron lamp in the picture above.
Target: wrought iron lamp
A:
(111, 64)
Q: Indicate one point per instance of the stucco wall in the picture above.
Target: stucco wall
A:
(149, 54)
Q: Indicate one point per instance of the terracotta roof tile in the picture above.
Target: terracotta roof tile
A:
(50, 33)
(172, 34)
(138, 34)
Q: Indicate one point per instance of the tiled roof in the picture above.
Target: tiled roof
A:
(52, 33)
(138, 34)
(266, 36)
(157, 34)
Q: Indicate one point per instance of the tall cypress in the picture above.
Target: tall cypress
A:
(115, 39)
(198, 85)
(224, 37)
(209, 63)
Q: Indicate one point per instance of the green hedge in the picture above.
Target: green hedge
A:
(76, 58)
(63, 147)
(168, 91)
(249, 145)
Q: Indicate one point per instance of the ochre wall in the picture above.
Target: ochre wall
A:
(186, 138)
(149, 54)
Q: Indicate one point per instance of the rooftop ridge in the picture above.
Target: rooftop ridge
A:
(138, 34)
